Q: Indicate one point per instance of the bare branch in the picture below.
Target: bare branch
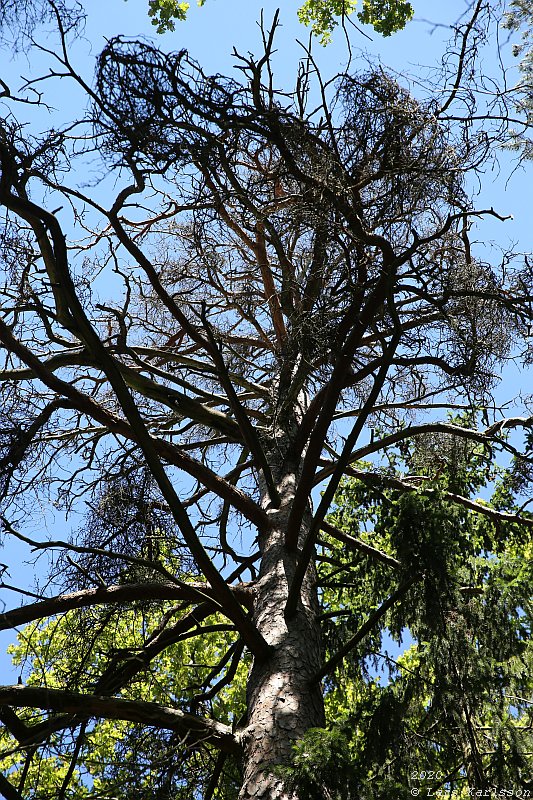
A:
(114, 594)
(193, 729)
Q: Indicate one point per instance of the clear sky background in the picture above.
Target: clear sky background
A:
(210, 34)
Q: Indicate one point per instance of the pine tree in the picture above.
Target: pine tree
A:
(291, 289)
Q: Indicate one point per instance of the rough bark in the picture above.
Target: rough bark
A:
(282, 702)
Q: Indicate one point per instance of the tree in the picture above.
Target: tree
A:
(454, 711)
(320, 15)
(519, 18)
(293, 289)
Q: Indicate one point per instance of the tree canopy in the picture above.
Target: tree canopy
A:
(248, 332)
(451, 712)
(519, 18)
(322, 16)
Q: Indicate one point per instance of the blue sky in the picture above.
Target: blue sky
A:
(211, 33)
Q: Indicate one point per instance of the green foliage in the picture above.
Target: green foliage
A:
(320, 15)
(438, 694)
(164, 13)
(322, 767)
(453, 710)
(74, 650)
(386, 17)
(519, 20)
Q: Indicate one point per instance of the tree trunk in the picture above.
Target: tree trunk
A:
(281, 703)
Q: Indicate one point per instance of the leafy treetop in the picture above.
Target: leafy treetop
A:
(320, 15)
